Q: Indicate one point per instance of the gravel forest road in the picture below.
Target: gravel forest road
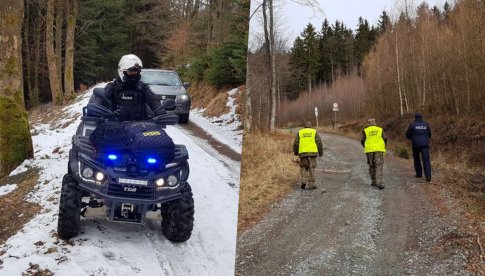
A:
(347, 227)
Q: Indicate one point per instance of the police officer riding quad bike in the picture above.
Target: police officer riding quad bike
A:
(129, 168)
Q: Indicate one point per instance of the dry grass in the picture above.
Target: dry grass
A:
(15, 210)
(43, 113)
(347, 91)
(217, 106)
(48, 113)
(214, 100)
(268, 173)
(202, 94)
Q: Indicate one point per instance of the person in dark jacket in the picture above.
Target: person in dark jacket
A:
(419, 133)
(128, 95)
(307, 145)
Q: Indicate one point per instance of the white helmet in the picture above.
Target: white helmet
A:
(129, 62)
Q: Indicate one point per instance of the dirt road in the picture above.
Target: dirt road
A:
(346, 227)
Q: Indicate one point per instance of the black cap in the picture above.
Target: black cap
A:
(418, 115)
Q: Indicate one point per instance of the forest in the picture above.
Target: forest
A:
(72, 43)
(428, 58)
(56, 48)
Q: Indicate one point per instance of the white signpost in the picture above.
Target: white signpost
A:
(335, 110)
(316, 115)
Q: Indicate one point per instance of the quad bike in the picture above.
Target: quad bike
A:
(136, 170)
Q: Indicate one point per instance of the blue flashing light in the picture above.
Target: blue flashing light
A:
(112, 157)
(151, 160)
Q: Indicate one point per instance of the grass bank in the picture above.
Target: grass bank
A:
(268, 173)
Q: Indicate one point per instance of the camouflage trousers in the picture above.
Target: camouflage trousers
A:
(376, 164)
(307, 170)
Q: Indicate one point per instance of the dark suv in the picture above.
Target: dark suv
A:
(168, 84)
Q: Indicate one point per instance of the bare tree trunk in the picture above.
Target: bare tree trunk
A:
(266, 34)
(188, 9)
(52, 58)
(424, 48)
(220, 23)
(272, 124)
(309, 79)
(15, 139)
(396, 50)
(210, 24)
(27, 55)
(195, 11)
(260, 107)
(38, 32)
(248, 111)
(69, 53)
(465, 61)
(59, 18)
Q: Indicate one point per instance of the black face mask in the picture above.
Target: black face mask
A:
(130, 80)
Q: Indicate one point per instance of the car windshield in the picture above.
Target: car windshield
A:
(160, 78)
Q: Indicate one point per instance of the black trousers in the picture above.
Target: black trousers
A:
(423, 152)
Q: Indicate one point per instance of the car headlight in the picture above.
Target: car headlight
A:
(182, 97)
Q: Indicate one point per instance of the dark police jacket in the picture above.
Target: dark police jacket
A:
(129, 100)
(419, 132)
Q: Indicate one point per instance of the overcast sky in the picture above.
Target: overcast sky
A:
(293, 17)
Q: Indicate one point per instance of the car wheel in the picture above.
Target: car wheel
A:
(184, 118)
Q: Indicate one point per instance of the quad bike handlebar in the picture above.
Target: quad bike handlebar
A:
(103, 113)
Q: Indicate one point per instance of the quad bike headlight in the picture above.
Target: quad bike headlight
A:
(160, 183)
(172, 180)
(88, 172)
(100, 176)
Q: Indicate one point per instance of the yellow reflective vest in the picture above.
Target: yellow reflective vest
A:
(307, 141)
(373, 140)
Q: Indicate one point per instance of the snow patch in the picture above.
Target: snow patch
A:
(6, 189)
(22, 168)
(226, 128)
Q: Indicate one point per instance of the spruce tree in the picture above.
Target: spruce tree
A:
(312, 54)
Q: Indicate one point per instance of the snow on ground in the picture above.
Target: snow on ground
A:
(107, 248)
(7, 189)
(226, 128)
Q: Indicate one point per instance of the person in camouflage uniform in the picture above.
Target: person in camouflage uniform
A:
(308, 145)
(374, 141)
